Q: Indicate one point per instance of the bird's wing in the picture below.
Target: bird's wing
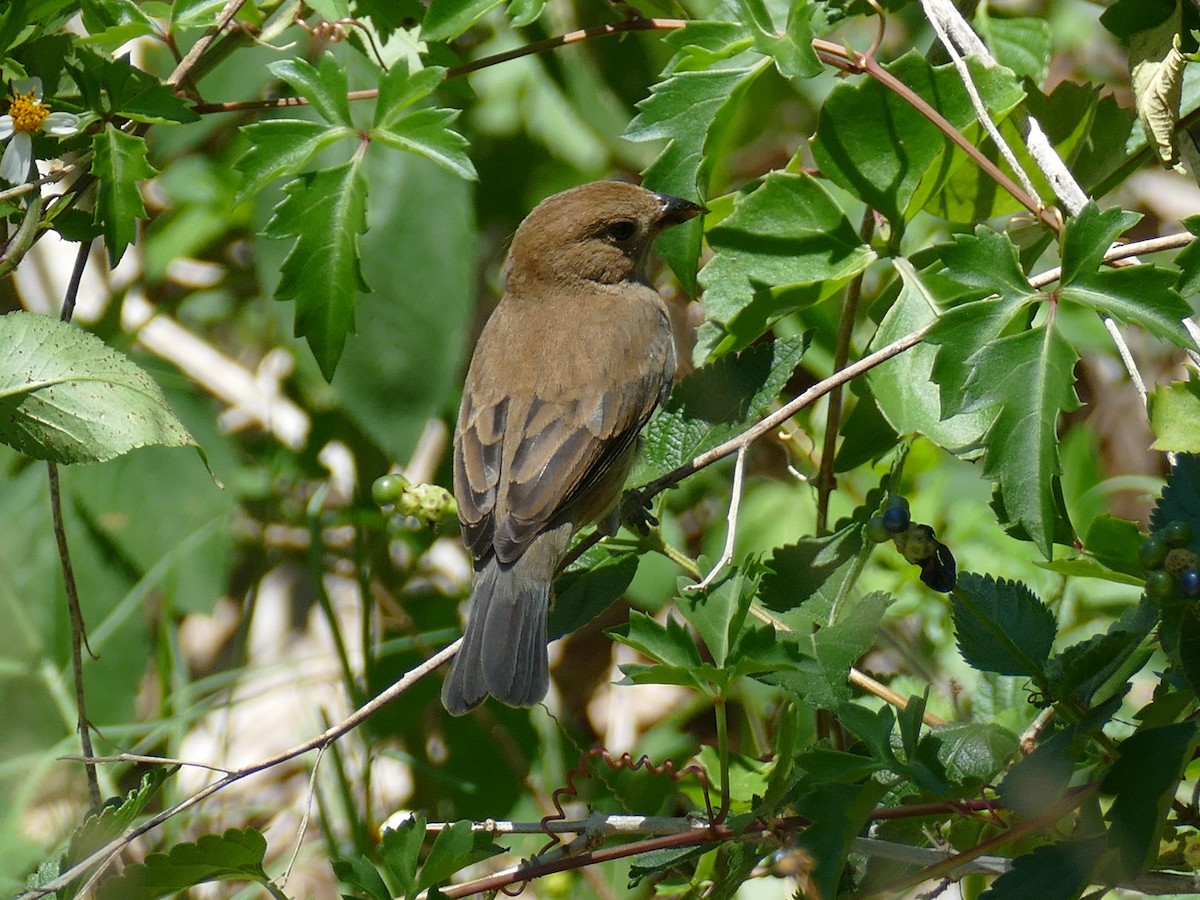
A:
(529, 448)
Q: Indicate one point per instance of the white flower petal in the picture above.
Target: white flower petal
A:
(61, 123)
(25, 85)
(18, 156)
(6, 127)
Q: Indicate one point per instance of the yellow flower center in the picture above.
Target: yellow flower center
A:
(27, 114)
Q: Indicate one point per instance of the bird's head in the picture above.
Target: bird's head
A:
(598, 232)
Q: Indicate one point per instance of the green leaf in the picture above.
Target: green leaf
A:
(1097, 669)
(324, 87)
(787, 245)
(427, 133)
(447, 19)
(1144, 295)
(590, 586)
(525, 12)
(1144, 780)
(1175, 416)
(325, 212)
(122, 89)
(838, 813)
(1088, 237)
(1022, 444)
(1115, 542)
(66, 396)
(792, 51)
(987, 261)
(399, 89)
(876, 145)
(903, 387)
(973, 753)
(1021, 44)
(1180, 498)
(1059, 871)
(719, 611)
(1040, 780)
(119, 163)
(670, 644)
(401, 852)
(281, 147)
(238, 853)
(1002, 627)
(716, 402)
(690, 111)
(455, 848)
(808, 578)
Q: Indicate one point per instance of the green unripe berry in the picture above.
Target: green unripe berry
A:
(1153, 552)
(387, 489)
(1159, 585)
(1177, 534)
(877, 531)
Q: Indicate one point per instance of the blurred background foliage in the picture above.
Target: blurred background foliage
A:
(229, 622)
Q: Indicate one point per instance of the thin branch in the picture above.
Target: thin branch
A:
(144, 760)
(981, 110)
(193, 55)
(562, 40)
(739, 469)
(109, 851)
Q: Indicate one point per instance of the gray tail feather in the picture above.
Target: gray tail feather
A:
(503, 652)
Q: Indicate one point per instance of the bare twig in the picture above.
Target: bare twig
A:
(739, 469)
(205, 41)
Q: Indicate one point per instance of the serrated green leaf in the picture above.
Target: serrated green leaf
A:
(879, 147)
(427, 133)
(1115, 542)
(447, 19)
(1144, 779)
(716, 402)
(689, 110)
(400, 89)
(1180, 498)
(1089, 235)
(805, 580)
(703, 44)
(669, 644)
(792, 50)
(400, 850)
(1051, 872)
(1093, 671)
(903, 387)
(787, 245)
(1144, 295)
(1001, 626)
(454, 848)
(238, 853)
(1022, 444)
(66, 396)
(838, 813)
(987, 261)
(719, 611)
(325, 212)
(324, 86)
(119, 163)
(281, 147)
(1175, 416)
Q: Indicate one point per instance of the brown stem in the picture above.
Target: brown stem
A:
(826, 480)
(850, 61)
(193, 55)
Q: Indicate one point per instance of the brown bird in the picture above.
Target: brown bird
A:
(566, 372)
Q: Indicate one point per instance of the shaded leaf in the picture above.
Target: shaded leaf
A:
(1175, 416)
(1002, 627)
(447, 19)
(1051, 872)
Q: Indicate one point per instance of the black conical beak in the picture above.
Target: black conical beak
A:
(676, 210)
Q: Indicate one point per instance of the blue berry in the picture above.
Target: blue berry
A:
(897, 518)
(1189, 583)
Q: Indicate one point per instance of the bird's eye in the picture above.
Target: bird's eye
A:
(621, 231)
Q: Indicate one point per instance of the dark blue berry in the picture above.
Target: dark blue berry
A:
(1189, 583)
(896, 519)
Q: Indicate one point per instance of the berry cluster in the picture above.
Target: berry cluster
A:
(428, 503)
(1169, 563)
(916, 542)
